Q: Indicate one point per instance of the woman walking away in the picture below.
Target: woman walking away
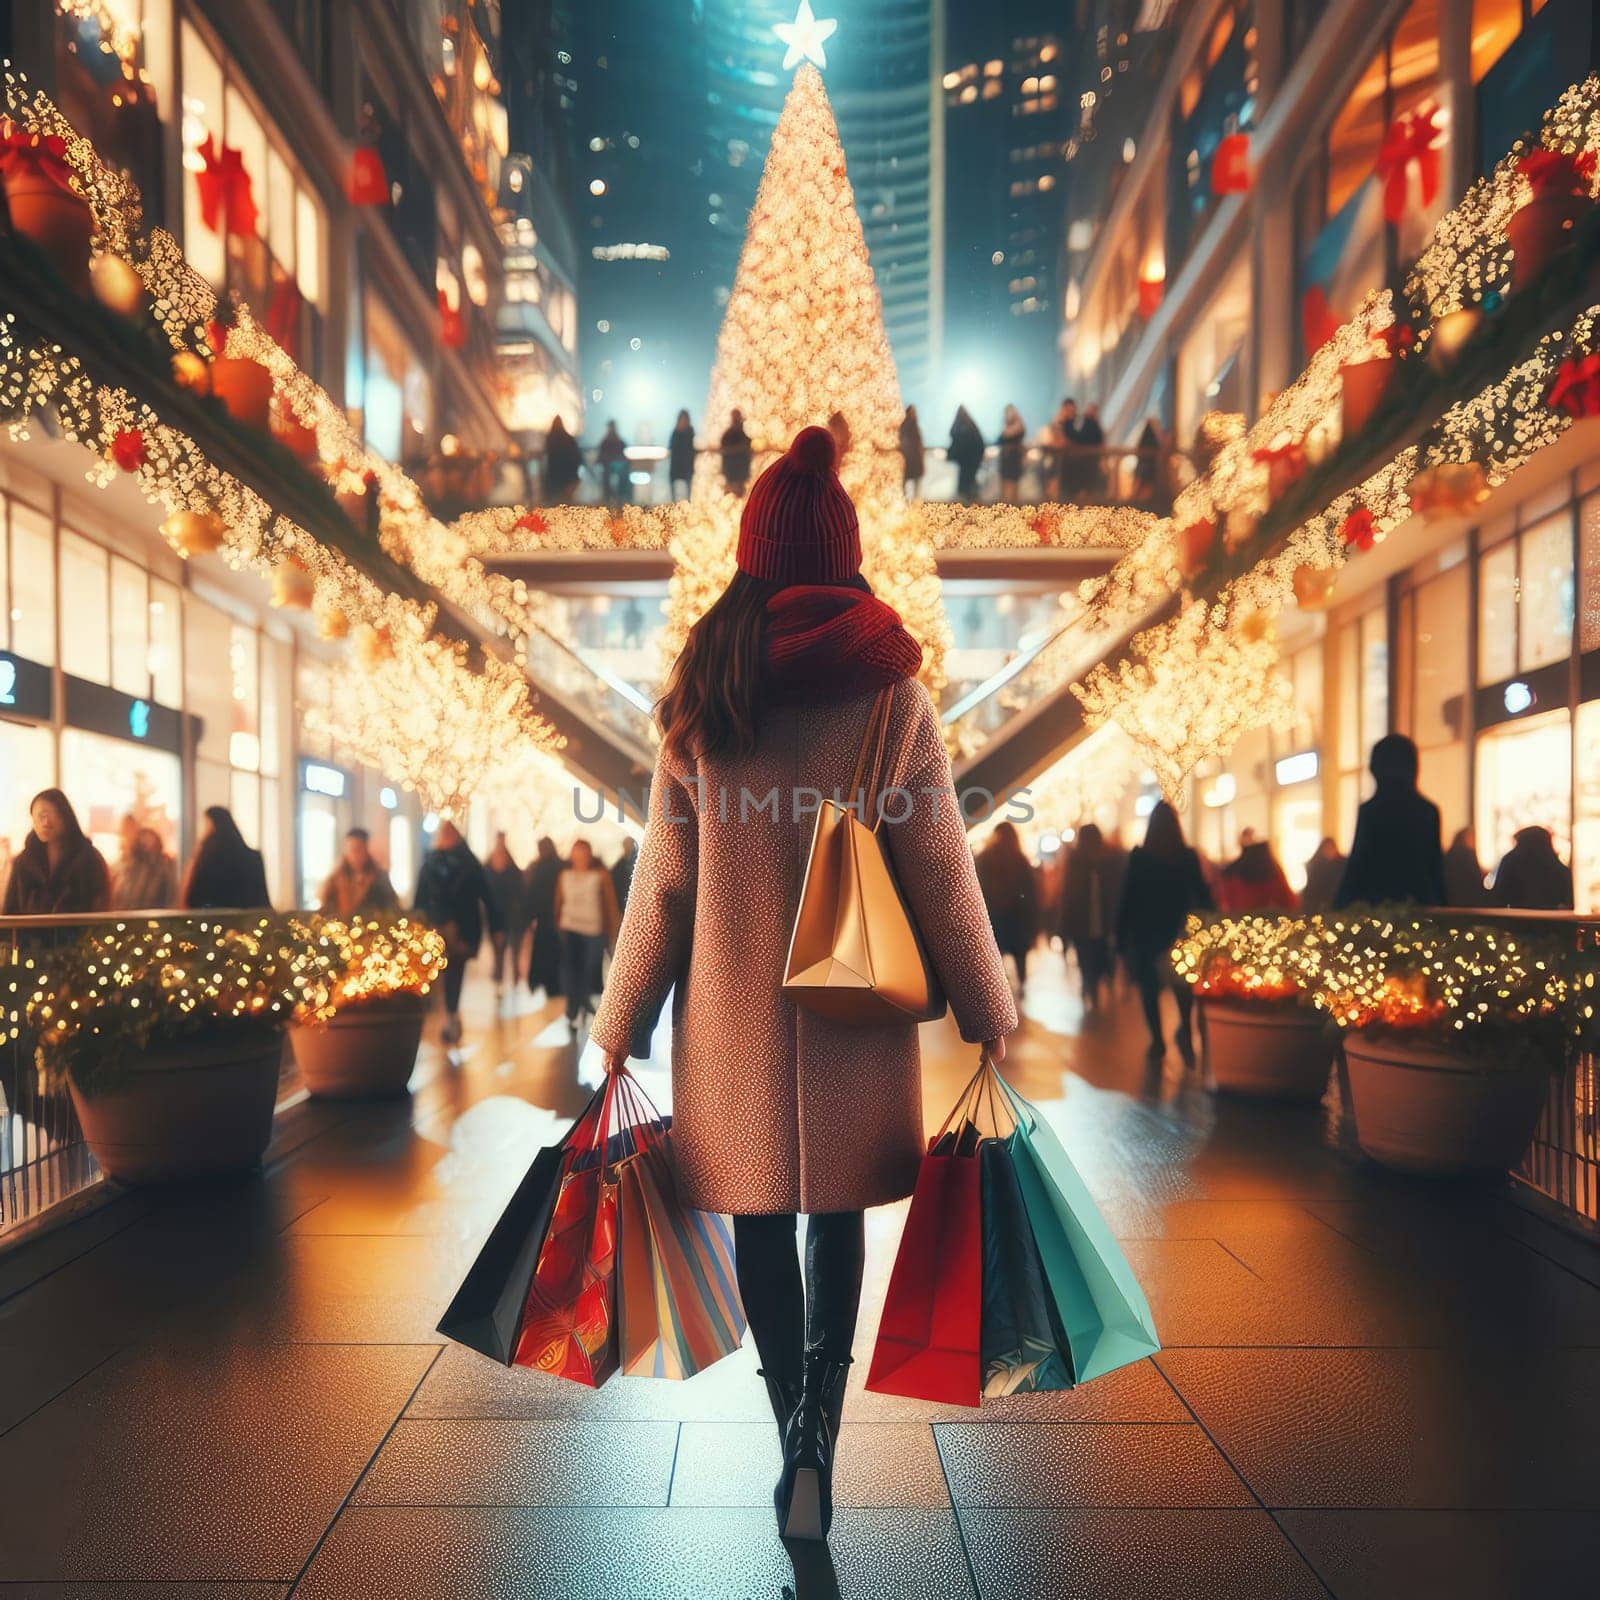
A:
(1089, 910)
(1013, 441)
(1463, 872)
(57, 872)
(912, 453)
(778, 1110)
(680, 457)
(1396, 854)
(1011, 896)
(1323, 872)
(966, 450)
(563, 461)
(1531, 875)
(145, 878)
(225, 874)
(507, 894)
(1255, 882)
(453, 893)
(586, 917)
(1162, 884)
(736, 454)
(539, 905)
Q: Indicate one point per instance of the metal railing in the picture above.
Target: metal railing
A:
(43, 1159)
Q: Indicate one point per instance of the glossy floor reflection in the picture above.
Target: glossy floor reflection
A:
(1369, 1387)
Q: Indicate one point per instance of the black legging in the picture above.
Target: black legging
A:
(1151, 980)
(786, 1315)
(455, 974)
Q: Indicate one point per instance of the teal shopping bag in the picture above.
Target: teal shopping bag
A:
(1102, 1309)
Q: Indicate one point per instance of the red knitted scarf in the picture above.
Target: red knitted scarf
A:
(826, 643)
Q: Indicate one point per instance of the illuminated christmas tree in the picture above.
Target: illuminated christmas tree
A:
(803, 342)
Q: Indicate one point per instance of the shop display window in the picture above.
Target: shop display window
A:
(1524, 778)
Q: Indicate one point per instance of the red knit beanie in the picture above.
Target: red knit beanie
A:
(799, 525)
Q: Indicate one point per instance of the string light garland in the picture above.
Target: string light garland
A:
(1252, 960)
(99, 1004)
(370, 958)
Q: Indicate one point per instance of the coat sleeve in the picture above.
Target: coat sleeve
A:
(933, 863)
(657, 932)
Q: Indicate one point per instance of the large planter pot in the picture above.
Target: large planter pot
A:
(1419, 1108)
(190, 1111)
(1539, 231)
(364, 1053)
(58, 221)
(1363, 386)
(1269, 1052)
(245, 388)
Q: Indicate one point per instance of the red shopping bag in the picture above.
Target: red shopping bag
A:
(928, 1339)
(569, 1325)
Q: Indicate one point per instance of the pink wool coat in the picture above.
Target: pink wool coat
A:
(774, 1107)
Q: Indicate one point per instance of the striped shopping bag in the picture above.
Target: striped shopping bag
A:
(678, 1307)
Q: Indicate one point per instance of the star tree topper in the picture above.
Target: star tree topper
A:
(805, 36)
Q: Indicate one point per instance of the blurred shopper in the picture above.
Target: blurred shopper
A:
(225, 874)
(1397, 854)
(587, 917)
(1323, 872)
(1011, 896)
(680, 457)
(966, 450)
(1013, 448)
(453, 893)
(1463, 872)
(1149, 477)
(57, 872)
(1089, 896)
(912, 455)
(358, 886)
(612, 458)
(539, 906)
(736, 455)
(773, 691)
(1064, 464)
(1091, 477)
(622, 872)
(508, 895)
(1531, 876)
(563, 462)
(1254, 881)
(145, 877)
(1162, 885)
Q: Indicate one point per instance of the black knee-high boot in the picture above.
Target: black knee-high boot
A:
(768, 1269)
(835, 1248)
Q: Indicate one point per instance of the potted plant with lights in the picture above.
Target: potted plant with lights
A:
(1451, 1033)
(1255, 978)
(169, 1036)
(357, 1030)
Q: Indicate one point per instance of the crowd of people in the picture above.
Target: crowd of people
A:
(1106, 904)
(1069, 458)
(550, 923)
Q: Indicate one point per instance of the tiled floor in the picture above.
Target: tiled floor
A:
(1368, 1387)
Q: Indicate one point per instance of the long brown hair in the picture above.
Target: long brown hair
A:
(709, 706)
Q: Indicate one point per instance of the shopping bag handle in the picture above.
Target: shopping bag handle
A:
(979, 1093)
(621, 1097)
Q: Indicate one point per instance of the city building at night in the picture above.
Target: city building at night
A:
(642, 958)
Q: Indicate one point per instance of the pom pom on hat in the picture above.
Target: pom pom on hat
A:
(799, 525)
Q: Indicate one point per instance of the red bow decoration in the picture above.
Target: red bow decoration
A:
(1359, 530)
(1285, 464)
(227, 199)
(127, 449)
(42, 154)
(1554, 173)
(1414, 139)
(1230, 166)
(531, 522)
(1317, 321)
(1398, 338)
(1046, 526)
(217, 337)
(1576, 388)
(452, 325)
(1151, 291)
(283, 313)
(369, 180)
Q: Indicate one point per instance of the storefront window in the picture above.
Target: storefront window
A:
(244, 670)
(86, 617)
(1545, 624)
(1589, 556)
(1586, 823)
(1497, 613)
(1439, 686)
(130, 628)
(1495, 23)
(1525, 779)
(108, 779)
(402, 856)
(33, 584)
(209, 695)
(166, 643)
(27, 765)
(1210, 364)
